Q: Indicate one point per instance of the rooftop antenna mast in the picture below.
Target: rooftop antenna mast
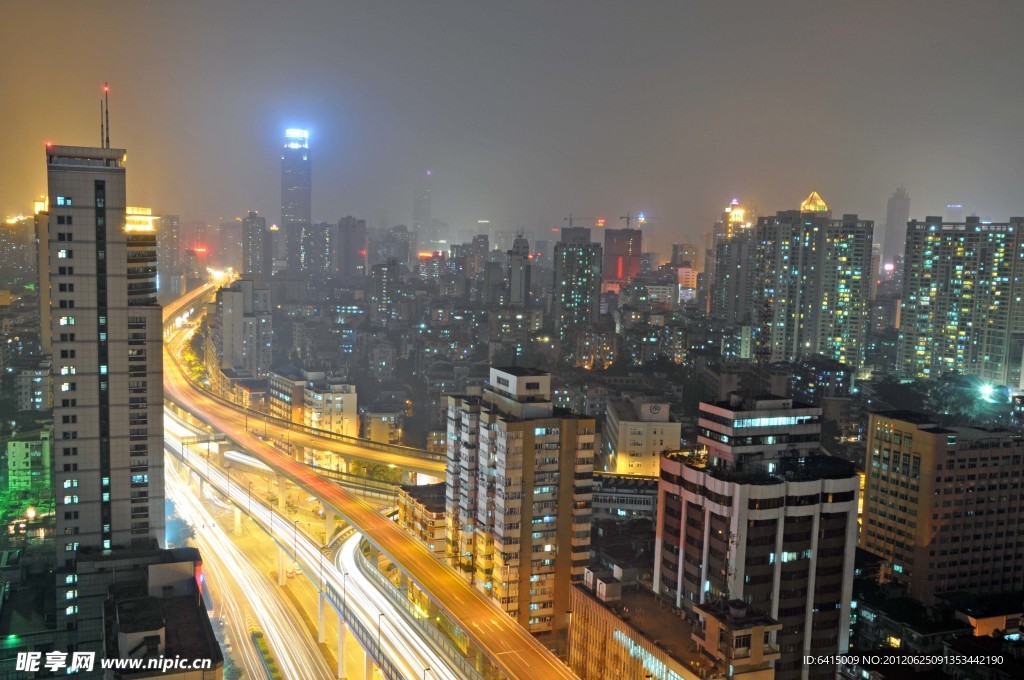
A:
(101, 123)
(106, 104)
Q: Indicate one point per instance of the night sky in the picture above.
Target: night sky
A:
(525, 111)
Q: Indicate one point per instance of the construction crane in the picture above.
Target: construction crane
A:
(598, 221)
(640, 219)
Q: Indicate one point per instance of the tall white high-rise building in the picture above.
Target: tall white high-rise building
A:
(107, 362)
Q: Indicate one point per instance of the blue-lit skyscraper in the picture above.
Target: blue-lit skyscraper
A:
(296, 193)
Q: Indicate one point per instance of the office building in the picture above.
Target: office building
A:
(759, 517)
(519, 491)
(349, 251)
(635, 435)
(296, 194)
(961, 310)
(257, 247)
(814, 274)
(622, 257)
(577, 285)
(107, 357)
(940, 505)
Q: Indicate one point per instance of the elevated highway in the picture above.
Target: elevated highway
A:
(508, 648)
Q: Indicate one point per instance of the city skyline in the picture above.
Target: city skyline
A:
(606, 97)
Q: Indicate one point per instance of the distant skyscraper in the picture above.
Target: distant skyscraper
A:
(961, 309)
(168, 257)
(257, 246)
(230, 250)
(107, 357)
(622, 255)
(897, 214)
(519, 270)
(735, 275)
(577, 288)
(422, 216)
(296, 193)
(688, 255)
(954, 212)
(349, 252)
(814, 274)
(384, 282)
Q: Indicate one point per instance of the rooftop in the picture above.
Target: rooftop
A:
(912, 613)
(982, 605)
(658, 622)
(521, 372)
(788, 469)
(431, 496)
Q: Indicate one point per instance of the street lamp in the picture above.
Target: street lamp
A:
(380, 615)
(344, 597)
(425, 671)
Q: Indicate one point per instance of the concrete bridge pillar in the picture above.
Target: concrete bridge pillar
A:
(238, 520)
(368, 666)
(342, 632)
(321, 627)
(282, 488)
(328, 526)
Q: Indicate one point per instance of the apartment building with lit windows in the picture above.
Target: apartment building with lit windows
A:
(962, 310)
(943, 505)
(518, 495)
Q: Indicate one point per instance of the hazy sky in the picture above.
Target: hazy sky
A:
(526, 111)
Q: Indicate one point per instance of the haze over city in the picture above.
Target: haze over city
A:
(528, 111)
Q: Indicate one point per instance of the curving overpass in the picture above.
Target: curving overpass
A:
(407, 458)
(508, 647)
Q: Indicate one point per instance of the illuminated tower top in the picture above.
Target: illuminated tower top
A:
(814, 203)
(296, 138)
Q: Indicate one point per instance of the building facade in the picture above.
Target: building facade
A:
(941, 505)
(636, 434)
(257, 246)
(576, 294)
(107, 357)
(296, 193)
(518, 495)
(961, 309)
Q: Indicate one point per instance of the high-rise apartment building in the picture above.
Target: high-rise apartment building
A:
(107, 361)
(622, 257)
(733, 298)
(257, 247)
(815, 282)
(690, 255)
(577, 286)
(171, 273)
(315, 248)
(897, 214)
(519, 273)
(762, 519)
(735, 217)
(241, 329)
(942, 505)
(296, 193)
(961, 310)
(349, 251)
(518, 494)
(385, 280)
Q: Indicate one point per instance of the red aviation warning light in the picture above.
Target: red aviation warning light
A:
(600, 221)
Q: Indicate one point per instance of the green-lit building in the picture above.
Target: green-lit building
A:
(29, 461)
